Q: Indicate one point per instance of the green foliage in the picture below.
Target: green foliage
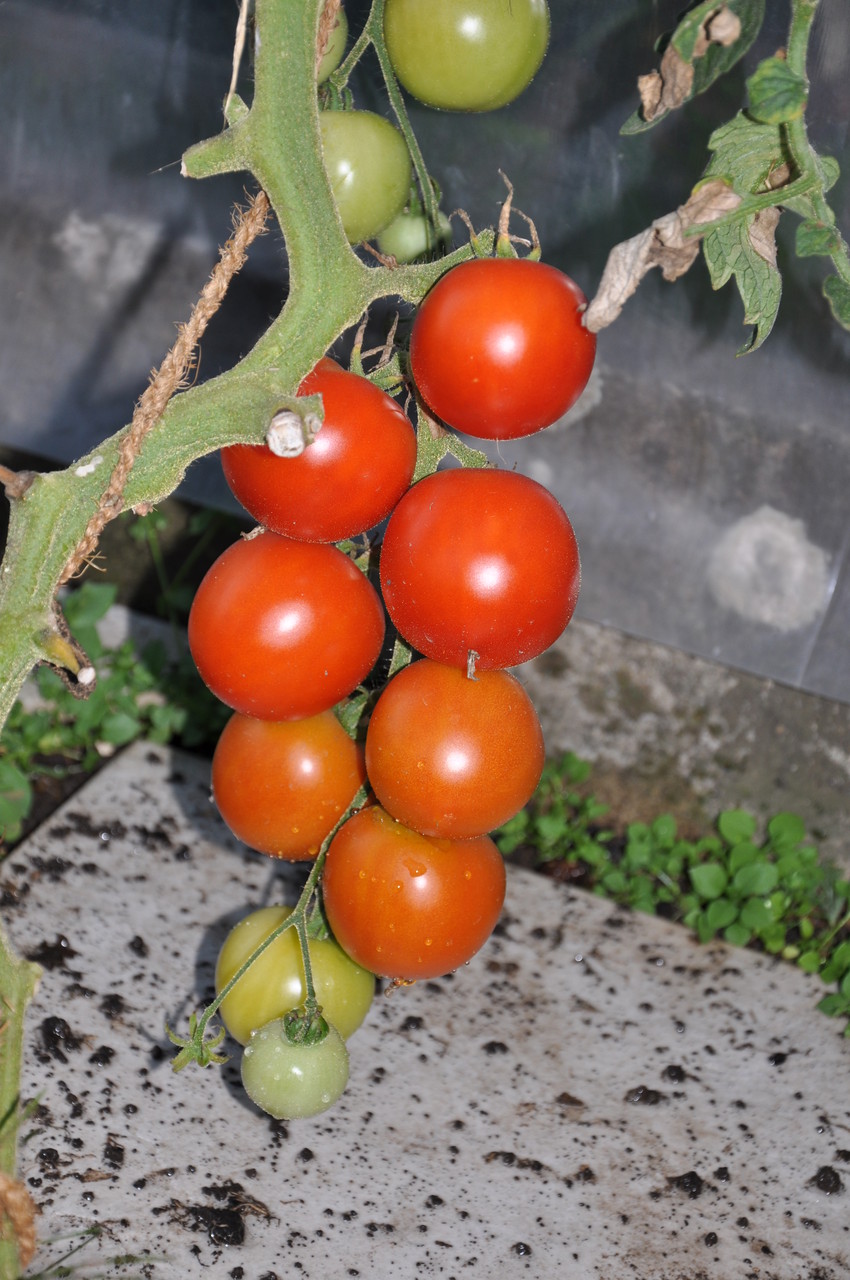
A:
(774, 894)
(145, 694)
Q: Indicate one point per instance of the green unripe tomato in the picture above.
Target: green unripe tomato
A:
(369, 170)
(275, 983)
(411, 236)
(466, 55)
(332, 56)
(293, 1081)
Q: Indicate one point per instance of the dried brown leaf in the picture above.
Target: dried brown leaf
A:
(667, 88)
(723, 27)
(665, 244)
(762, 234)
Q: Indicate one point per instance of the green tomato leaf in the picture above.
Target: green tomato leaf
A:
(776, 93)
(745, 154)
(736, 826)
(709, 879)
(757, 878)
(730, 250)
(816, 238)
(837, 293)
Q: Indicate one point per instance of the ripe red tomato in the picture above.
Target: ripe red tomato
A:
(281, 629)
(281, 786)
(347, 480)
(498, 349)
(404, 905)
(450, 756)
(483, 560)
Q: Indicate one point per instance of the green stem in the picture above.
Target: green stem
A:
(18, 981)
(297, 919)
(799, 31)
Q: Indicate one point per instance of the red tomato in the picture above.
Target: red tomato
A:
(406, 906)
(450, 756)
(347, 480)
(483, 560)
(281, 786)
(498, 349)
(281, 629)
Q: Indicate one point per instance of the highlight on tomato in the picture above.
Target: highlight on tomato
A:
(275, 982)
(498, 349)
(466, 55)
(479, 560)
(282, 630)
(347, 480)
(405, 905)
(281, 786)
(449, 756)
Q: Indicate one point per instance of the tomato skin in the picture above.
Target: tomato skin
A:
(293, 1081)
(274, 984)
(282, 785)
(498, 349)
(369, 170)
(406, 905)
(450, 756)
(333, 54)
(281, 630)
(411, 236)
(466, 55)
(483, 560)
(347, 480)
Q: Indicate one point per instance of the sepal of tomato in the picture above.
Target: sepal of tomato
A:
(406, 905)
(347, 480)
(450, 756)
(480, 560)
(281, 630)
(498, 349)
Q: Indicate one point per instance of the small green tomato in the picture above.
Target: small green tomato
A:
(369, 169)
(332, 56)
(293, 1081)
(411, 236)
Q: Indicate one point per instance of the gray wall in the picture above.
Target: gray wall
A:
(708, 493)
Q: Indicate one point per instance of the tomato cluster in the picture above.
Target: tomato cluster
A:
(479, 571)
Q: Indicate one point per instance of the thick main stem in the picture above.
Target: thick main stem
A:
(18, 981)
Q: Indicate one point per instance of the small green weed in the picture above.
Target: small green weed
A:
(775, 894)
(137, 695)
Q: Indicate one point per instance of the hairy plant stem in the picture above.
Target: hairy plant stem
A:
(18, 981)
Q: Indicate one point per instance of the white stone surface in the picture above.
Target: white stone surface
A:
(498, 1123)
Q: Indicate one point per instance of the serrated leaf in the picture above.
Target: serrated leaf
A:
(729, 252)
(837, 293)
(817, 238)
(776, 93)
(746, 154)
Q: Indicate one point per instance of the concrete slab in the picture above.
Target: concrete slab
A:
(593, 1096)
